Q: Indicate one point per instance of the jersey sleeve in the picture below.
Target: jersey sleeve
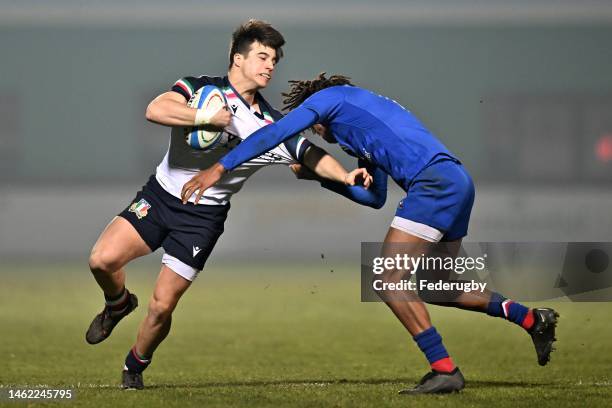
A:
(297, 146)
(187, 86)
(374, 197)
(269, 137)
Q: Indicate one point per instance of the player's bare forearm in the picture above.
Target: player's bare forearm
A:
(170, 109)
(327, 167)
(324, 165)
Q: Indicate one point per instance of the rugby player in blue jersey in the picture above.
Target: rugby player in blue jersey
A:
(390, 141)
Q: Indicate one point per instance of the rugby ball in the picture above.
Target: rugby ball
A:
(211, 99)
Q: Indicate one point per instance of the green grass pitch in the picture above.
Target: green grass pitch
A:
(284, 335)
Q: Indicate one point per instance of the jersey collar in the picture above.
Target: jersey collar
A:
(264, 106)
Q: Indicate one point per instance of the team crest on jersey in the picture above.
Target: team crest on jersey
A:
(141, 208)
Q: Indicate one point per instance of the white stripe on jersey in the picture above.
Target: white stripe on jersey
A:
(299, 145)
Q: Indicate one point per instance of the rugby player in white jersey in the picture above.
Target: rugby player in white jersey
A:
(187, 233)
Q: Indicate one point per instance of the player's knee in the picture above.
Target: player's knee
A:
(427, 296)
(101, 261)
(160, 310)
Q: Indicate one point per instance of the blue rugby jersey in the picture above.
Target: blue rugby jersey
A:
(372, 127)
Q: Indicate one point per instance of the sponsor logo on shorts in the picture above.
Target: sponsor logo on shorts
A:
(141, 208)
(196, 250)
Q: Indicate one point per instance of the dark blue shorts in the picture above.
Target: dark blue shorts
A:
(441, 196)
(187, 232)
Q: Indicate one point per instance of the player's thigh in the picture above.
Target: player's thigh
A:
(430, 255)
(399, 243)
(419, 244)
(395, 235)
(137, 230)
(118, 244)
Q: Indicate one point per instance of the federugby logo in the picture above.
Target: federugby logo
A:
(141, 208)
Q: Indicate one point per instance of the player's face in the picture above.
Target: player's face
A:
(324, 132)
(258, 66)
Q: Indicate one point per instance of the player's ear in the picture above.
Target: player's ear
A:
(238, 58)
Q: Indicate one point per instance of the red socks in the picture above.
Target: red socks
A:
(444, 365)
(528, 321)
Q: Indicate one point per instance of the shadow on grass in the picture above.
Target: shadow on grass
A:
(401, 382)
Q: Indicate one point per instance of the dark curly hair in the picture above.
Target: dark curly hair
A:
(299, 91)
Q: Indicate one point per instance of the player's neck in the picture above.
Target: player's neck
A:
(243, 86)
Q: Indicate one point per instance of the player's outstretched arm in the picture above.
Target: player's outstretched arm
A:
(170, 109)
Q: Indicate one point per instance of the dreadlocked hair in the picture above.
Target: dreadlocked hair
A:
(299, 91)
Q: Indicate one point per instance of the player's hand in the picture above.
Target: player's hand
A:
(222, 118)
(358, 176)
(201, 182)
(303, 172)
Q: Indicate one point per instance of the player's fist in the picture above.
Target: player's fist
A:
(222, 118)
(358, 176)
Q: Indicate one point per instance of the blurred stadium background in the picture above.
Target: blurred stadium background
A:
(520, 90)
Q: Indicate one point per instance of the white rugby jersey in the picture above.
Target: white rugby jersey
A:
(182, 162)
